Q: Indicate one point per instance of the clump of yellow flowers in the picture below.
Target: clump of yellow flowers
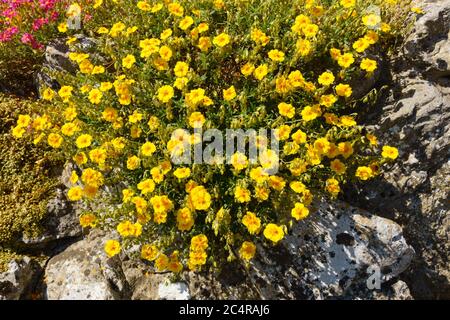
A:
(159, 66)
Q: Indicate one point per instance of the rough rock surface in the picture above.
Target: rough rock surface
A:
(415, 116)
(84, 272)
(56, 58)
(61, 222)
(326, 256)
(17, 280)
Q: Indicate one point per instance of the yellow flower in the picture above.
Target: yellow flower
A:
(97, 3)
(102, 30)
(65, 92)
(372, 37)
(368, 65)
(299, 212)
(277, 183)
(364, 173)
(343, 90)
(161, 262)
(282, 133)
(48, 94)
(310, 113)
(54, 140)
(83, 141)
(75, 193)
(258, 174)
(149, 252)
(297, 186)
(127, 194)
(332, 186)
(86, 67)
(338, 166)
(196, 119)
(118, 143)
(185, 220)
(229, 94)
(153, 123)
(199, 243)
(199, 198)
(125, 228)
(276, 55)
(310, 30)
(239, 161)
(165, 34)
(251, 222)
(182, 173)
(347, 121)
(322, 145)
(159, 6)
(105, 86)
(282, 85)
(286, 110)
(247, 69)
(203, 27)
(385, 27)
(335, 53)
(221, 40)
(92, 177)
(181, 69)
(371, 20)
(88, 220)
(165, 93)
(146, 186)
(128, 61)
(116, 29)
(112, 247)
(347, 3)
(261, 71)
(372, 139)
(73, 177)
(328, 100)
(326, 78)
(133, 163)
(144, 6)
(165, 53)
(176, 9)
(147, 149)
(262, 193)
(361, 45)
(95, 96)
(80, 158)
(185, 23)
(303, 47)
(23, 120)
(268, 159)
(299, 137)
(98, 155)
(204, 43)
(62, 27)
(345, 149)
(389, 152)
(242, 194)
(273, 232)
(98, 70)
(247, 250)
(346, 60)
(157, 174)
(140, 204)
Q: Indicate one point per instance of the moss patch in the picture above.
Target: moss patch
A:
(27, 177)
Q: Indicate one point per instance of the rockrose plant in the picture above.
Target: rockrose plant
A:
(162, 72)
